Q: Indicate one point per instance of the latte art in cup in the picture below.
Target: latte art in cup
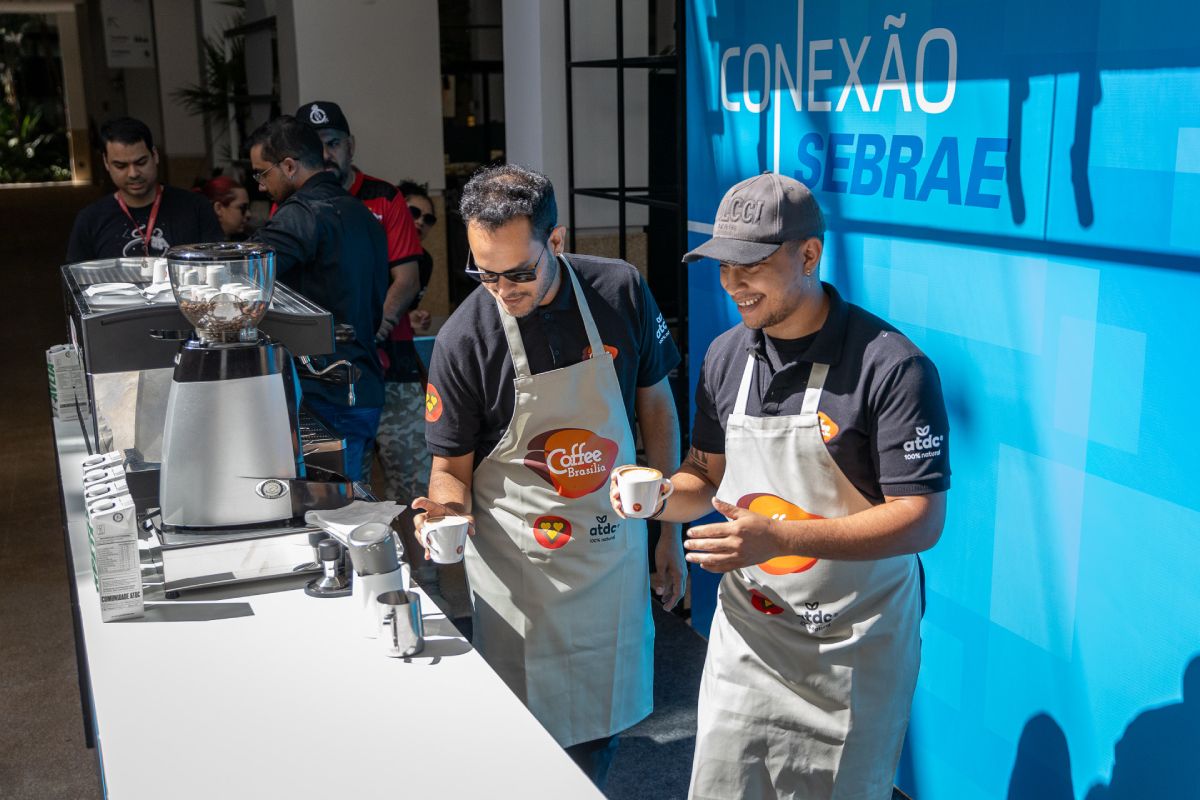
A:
(640, 489)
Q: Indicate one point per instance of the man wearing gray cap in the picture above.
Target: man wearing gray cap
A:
(821, 437)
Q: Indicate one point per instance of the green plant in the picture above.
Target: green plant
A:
(224, 80)
(31, 150)
(33, 137)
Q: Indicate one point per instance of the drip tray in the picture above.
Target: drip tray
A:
(172, 537)
(173, 560)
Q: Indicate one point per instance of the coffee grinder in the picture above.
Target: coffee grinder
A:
(231, 452)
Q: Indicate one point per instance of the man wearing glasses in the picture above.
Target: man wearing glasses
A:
(329, 248)
(535, 385)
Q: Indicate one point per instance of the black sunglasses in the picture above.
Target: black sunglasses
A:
(519, 275)
(429, 219)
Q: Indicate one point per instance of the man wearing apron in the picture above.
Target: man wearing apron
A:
(533, 388)
(821, 437)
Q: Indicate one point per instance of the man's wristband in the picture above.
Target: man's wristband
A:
(661, 509)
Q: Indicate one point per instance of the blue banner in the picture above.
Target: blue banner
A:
(1017, 187)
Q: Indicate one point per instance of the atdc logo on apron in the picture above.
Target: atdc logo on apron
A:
(575, 461)
(777, 508)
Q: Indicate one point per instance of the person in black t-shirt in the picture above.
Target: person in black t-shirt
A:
(142, 217)
(537, 383)
(821, 436)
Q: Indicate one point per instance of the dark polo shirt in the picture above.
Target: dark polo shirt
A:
(471, 373)
(882, 408)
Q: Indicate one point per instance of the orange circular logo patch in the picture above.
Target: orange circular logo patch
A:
(829, 428)
(551, 532)
(608, 348)
(777, 508)
(433, 403)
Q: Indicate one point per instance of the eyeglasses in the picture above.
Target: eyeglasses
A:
(519, 275)
(258, 176)
(417, 214)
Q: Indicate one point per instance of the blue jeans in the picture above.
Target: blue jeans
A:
(357, 425)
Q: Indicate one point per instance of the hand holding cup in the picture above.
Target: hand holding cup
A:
(451, 525)
(637, 492)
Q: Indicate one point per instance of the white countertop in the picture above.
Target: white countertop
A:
(259, 691)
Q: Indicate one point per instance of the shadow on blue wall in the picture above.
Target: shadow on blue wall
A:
(1159, 753)
(1043, 765)
(1156, 757)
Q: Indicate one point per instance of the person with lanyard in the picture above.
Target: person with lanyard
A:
(142, 218)
(330, 249)
(821, 436)
(535, 385)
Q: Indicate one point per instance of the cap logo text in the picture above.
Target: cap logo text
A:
(741, 210)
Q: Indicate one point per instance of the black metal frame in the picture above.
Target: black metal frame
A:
(639, 195)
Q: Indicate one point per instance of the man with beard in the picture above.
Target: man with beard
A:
(329, 248)
(142, 217)
(535, 386)
(383, 199)
(821, 436)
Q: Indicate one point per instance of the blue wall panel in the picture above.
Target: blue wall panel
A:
(1039, 237)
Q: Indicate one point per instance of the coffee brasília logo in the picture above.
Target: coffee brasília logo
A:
(317, 115)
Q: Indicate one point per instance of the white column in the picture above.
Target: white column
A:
(76, 99)
(177, 42)
(535, 117)
(535, 96)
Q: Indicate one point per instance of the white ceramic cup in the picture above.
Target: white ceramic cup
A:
(446, 537)
(640, 488)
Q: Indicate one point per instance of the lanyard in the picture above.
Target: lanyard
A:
(150, 223)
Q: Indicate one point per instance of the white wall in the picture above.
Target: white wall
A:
(380, 62)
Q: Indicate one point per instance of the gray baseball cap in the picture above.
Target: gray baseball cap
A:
(758, 215)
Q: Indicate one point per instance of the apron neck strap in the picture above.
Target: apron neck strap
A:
(744, 390)
(812, 393)
(512, 330)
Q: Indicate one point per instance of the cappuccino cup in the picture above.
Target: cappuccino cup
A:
(640, 489)
(446, 537)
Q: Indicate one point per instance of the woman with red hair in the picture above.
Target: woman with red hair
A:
(231, 203)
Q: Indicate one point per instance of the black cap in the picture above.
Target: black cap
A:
(321, 114)
(759, 214)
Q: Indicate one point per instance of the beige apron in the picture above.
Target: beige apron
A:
(560, 583)
(811, 663)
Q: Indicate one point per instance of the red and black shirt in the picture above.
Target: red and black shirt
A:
(391, 209)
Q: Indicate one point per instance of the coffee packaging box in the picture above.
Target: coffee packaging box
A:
(116, 565)
(114, 458)
(68, 385)
(103, 475)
